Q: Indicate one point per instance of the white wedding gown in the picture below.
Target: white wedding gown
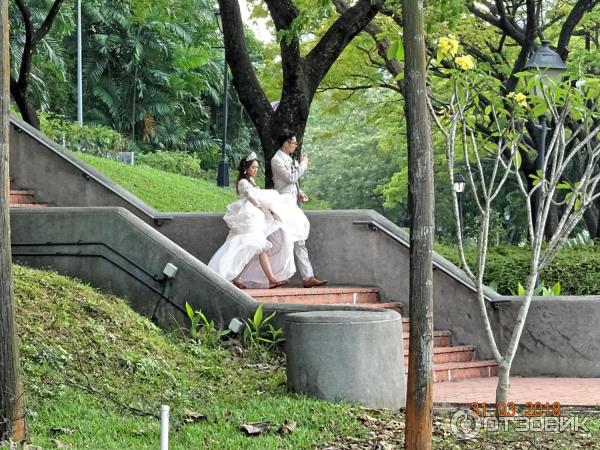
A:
(260, 220)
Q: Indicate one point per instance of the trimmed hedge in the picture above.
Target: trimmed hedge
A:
(576, 268)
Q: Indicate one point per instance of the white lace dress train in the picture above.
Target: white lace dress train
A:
(259, 220)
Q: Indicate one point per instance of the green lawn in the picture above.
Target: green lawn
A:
(168, 192)
(96, 373)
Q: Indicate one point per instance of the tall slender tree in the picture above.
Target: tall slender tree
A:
(419, 401)
(12, 418)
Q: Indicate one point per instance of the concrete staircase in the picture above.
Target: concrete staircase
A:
(450, 362)
(23, 198)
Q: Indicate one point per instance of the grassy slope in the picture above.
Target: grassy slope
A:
(164, 191)
(73, 338)
(72, 335)
(170, 192)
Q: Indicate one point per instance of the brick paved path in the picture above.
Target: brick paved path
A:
(566, 391)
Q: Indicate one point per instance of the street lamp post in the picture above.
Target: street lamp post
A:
(79, 71)
(459, 187)
(549, 65)
(223, 171)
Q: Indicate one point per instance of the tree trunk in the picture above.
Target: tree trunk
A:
(301, 73)
(12, 418)
(419, 401)
(28, 112)
(503, 383)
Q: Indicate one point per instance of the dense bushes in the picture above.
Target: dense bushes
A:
(94, 140)
(576, 268)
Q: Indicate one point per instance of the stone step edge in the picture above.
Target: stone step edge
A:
(441, 367)
(21, 192)
(465, 364)
(449, 349)
(28, 205)
(436, 333)
(302, 292)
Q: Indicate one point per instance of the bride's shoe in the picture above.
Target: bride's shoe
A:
(277, 284)
(238, 285)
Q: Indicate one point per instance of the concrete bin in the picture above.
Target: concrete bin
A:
(353, 356)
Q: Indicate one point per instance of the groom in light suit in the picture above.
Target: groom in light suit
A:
(286, 173)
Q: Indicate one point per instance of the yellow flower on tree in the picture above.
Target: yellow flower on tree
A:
(519, 98)
(448, 45)
(464, 62)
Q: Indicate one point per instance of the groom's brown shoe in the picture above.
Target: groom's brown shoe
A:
(314, 282)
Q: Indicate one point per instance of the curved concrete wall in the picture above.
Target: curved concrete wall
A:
(341, 251)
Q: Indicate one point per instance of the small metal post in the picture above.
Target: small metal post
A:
(79, 68)
(164, 427)
(223, 173)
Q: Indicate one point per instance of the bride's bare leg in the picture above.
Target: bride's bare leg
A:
(265, 264)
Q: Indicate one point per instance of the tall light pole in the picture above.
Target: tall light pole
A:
(459, 187)
(79, 71)
(549, 66)
(223, 172)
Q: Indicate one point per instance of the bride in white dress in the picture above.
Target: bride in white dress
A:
(263, 226)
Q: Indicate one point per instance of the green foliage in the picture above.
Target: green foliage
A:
(91, 139)
(181, 163)
(350, 163)
(202, 330)
(259, 334)
(574, 271)
(164, 191)
(541, 290)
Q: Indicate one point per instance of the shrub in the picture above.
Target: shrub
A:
(178, 162)
(92, 139)
(577, 269)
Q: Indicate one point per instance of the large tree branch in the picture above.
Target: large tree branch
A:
(574, 17)
(27, 47)
(504, 23)
(47, 23)
(344, 29)
(244, 77)
(283, 13)
(531, 32)
(382, 45)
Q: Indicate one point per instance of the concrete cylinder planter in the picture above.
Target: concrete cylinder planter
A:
(353, 356)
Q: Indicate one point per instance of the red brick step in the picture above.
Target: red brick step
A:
(459, 353)
(440, 338)
(319, 296)
(23, 198)
(450, 363)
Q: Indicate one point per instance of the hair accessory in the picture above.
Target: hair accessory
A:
(251, 157)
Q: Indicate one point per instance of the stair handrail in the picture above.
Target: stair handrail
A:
(89, 172)
(439, 262)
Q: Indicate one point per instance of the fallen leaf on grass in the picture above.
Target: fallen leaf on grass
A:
(288, 427)
(59, 430)
(256, 428)
(190, 416)
(59, 444)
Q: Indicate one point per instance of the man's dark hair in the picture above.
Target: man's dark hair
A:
(285, 136)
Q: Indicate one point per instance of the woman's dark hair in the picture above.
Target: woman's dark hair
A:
(242, 167)
(285, 136)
